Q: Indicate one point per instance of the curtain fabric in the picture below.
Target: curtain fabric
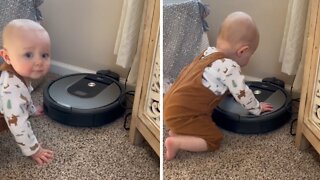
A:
(292, 42)
(129, 37)
(299, 77)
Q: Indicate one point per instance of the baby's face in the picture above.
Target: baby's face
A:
(29, 53)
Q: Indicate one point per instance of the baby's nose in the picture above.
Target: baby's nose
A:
(38, 61)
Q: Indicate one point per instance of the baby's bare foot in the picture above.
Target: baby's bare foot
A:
(172, 148)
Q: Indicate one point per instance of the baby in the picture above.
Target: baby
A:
(26, 52)
(201, 85)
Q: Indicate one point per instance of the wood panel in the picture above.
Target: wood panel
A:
(143, 126)
(307, 130)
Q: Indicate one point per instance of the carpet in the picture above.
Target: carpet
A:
(80, 153)
(266, 156)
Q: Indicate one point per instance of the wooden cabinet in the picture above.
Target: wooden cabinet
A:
(145, 121)
(308, 129)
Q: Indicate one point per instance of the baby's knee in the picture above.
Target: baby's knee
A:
(171, 133)
(214, 142)
(219, 137)
(3, 124)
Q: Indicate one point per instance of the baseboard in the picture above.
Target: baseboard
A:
(66, 69)
(252, 78)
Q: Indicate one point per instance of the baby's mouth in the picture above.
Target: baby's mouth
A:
(38, 71)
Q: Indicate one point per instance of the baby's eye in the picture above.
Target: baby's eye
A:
(28, 55)
(45, 55)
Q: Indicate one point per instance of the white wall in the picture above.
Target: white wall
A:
(83, 33)
(270, 18)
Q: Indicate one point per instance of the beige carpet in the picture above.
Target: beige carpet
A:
(80, 153)
(267, 156)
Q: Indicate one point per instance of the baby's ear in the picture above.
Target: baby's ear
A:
(242, 50)
(4, 55)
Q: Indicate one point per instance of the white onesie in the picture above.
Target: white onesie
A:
(16, 106)
(224, 74)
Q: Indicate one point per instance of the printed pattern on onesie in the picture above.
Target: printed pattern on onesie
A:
(16, 105)
(224, 74)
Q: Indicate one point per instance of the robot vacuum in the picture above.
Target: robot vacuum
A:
(84, 100)
(230, 115)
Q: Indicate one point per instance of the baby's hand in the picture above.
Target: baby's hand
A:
(265, 107)
(39, 111)
(42, 156)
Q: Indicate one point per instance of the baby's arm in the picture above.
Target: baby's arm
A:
(16, 109)
(241, 92)
(16, 116)
(20, 127)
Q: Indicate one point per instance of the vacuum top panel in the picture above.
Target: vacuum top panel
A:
(84, 91)
(276, 97)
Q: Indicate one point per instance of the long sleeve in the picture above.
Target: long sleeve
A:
(16, 107)
(225, 74)
(241, 92)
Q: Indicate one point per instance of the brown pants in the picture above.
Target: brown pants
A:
(3, 124)
(200, 126)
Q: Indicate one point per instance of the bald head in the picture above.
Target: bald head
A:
(26, 49)
(237, 29)
(22, 27)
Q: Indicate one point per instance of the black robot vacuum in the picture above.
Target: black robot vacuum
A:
(84, 99)
(230, 115)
